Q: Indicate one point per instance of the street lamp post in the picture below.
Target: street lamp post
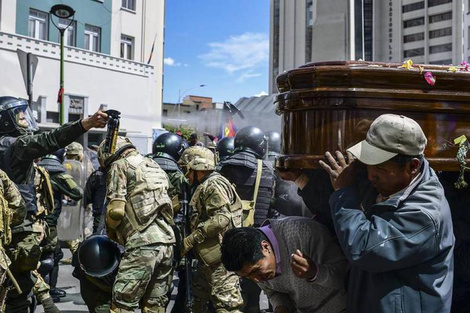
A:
(181, 94)
(65, 12)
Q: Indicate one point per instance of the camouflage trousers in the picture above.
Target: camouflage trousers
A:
(216, 284)
(144, 277)
(24, 252)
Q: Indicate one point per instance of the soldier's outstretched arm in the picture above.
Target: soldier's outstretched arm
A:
(14, 199)
(28, 148)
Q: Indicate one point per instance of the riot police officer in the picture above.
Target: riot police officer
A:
(167, 149)
(18, 148)
(287, 201)
(244, 168)
(216, 208)
(139, 214)
(62, 185)
(274, 144)
(224, 148)
(95, 195)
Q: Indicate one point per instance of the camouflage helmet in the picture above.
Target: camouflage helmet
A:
(74, 149)
(198, 158)
(105, 158)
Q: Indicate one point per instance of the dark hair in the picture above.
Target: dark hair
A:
(402, 159)
(242, 246)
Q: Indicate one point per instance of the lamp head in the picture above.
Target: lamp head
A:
(62, 11)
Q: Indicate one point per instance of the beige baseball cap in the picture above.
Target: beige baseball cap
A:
(389, 135)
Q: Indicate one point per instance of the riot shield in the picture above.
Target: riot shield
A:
(70, 223)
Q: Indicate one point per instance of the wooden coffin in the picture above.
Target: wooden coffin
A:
(329, 106)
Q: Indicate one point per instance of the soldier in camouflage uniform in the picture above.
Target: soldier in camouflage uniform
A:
(45, 205)
(216, 208)
(62, 184)
(74, 151)
(139, 214)
(12, 213)
(18, 149)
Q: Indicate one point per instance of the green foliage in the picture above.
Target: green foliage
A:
(185, 130)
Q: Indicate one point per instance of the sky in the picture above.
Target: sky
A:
(222, 44)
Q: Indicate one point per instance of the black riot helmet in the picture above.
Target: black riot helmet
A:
(98, 256)
(274, 141)
(251, 139)
(168, 146)
(16, 117)
(225, 148)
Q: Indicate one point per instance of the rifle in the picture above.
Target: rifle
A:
(188, 262)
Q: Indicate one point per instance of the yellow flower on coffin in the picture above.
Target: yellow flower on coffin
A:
(452, 69)
(408, 64)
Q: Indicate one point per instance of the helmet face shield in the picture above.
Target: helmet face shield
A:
(22, 117)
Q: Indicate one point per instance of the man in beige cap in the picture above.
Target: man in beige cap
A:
(395, 226)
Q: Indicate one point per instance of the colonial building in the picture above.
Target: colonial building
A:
(113, 59)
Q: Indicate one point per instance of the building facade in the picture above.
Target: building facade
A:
(113, 59)
(427, 31)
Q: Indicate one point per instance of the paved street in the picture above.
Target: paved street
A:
(73, 302)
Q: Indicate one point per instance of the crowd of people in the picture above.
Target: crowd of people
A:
(376, 235)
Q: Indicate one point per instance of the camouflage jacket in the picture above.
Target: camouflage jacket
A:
(143, 185)
(44, 193)
(216, 209)
(13, 210)
(12, 195)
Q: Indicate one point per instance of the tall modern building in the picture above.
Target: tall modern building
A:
(113, 59)
(427, 31)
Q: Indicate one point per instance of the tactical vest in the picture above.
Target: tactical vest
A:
(26, 188)
(148, 199)
(174, 173)
(5, 221)
(44, 192)
(166, 164)
(240, 169)
(209, 249)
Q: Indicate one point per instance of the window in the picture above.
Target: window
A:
(414, 22)
(442, 62)
(413, 37)
(440, 17)
(69, 34)
(308, 31)
(92, 38)
(432, 3)
(38, 24)
(440, 32)
(413, 6)
(128, 4)
(127, 47)
(441, 48)
(413, 52)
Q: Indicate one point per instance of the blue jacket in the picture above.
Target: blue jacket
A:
(400, 251)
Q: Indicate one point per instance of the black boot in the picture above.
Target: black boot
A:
(56, 292)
